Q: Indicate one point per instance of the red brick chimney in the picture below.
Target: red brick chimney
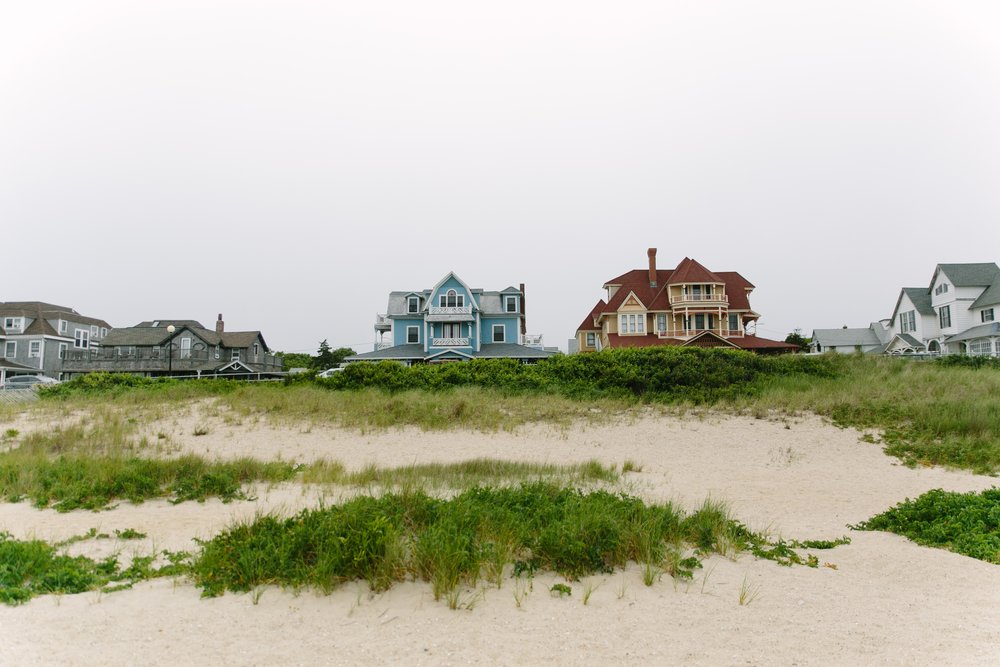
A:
(652, 266)
(220, 326)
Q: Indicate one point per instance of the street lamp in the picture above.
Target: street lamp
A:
(170, 349)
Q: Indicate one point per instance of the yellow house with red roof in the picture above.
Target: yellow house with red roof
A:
(687, 305)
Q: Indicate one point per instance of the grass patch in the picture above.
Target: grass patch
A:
(29, 568)
(966, 523)
(459, 541)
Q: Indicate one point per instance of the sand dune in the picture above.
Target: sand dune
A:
(887, 602)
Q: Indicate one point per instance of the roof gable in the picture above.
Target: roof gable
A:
(967, 275)
(452, 275)
(990, 297)
(690, 271)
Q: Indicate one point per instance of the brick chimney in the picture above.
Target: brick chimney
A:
(652, 266)
(524, 320)
(220, 326)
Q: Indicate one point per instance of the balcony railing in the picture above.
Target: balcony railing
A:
(450, 310)
(383, 321)
(450, 342)
(158, 359)
(687, 333)
(699, 298)
(531, 340)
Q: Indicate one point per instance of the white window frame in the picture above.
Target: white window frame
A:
(13, 324)
(907, 321)
(234, 355)
(256, 351)
(987, 315)
(415, 329)
(81, 339)
(185, 352)
(104, 332)
(35, 348)
(733, 317)
(63, 327)
(623, 324)
(94, 330)
(63, 350)
(503, 334)
(413, 304)
(510, 303)
(10, 349)
(661, 322)
(591, 339)
(217, 351)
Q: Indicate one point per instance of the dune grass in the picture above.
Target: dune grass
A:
(929, 412)
(482, 535)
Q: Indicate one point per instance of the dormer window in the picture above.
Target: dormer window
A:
(452, 299)
(941, 289)
(13, 323)
(413, 304)
(510, 304)
(63, 327)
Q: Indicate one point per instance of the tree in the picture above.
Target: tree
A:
(796, 338)
(327, 358)
(292, 360)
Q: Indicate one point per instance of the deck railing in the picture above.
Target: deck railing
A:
(450, 342)
(699, 298)
(450, 310)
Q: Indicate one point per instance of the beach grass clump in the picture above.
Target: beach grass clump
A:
(29, 568)
(462, 540)
(966, 523)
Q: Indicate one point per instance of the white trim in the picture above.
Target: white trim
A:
(81, 339)
(493, 333)
(451, 274)
(35, 354)
(412, 326)
(6, 345)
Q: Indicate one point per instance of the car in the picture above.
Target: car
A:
(27, 381)
(328, 372)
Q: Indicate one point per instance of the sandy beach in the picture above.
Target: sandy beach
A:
(879, 600)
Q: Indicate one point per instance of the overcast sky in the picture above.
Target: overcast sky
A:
(288, 164)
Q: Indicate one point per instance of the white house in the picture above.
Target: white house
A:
(871, 339)
(956, 314)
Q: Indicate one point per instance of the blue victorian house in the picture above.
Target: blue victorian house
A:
(453, 322)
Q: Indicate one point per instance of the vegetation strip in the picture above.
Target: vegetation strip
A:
(481, 534)
(966, 523)
(29, 568)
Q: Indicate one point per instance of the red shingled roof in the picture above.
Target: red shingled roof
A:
(690, 271)
(742, 342)
(588, 322)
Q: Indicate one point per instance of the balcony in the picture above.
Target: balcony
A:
(383, 323)
(688, 333)
(450, 342)
(450, 310)
(531, 340)
(699, 298)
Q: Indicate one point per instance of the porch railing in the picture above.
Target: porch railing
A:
(450, 342)
(451, 310)
(699, 298)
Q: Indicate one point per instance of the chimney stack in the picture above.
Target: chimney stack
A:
(220, 326)
(524, 322)
(652, 266)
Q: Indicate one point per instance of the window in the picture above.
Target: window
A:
(13, 323)
(987, 315)
(35, 348)
(661, 322)
(10, 349)
(63, 326)
(217, 351)
(81, 339)
(591, 339)
(104, 332)
(979, 348)
(699, 321)
(234, 355)
(256, 351)
(94, 329)
(907, 321)
(734, 322)
(623, 326)
(944, 316)
(452, 299)
(413, 304)
(510, 303)
(125, 350)
(413, 334)
(185, 348)
(498, 333)
(63, 348)
(941, 289)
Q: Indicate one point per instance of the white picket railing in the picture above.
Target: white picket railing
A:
(450, 342)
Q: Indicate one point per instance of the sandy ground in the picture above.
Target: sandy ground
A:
(887, 601)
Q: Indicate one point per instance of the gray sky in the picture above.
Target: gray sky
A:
(290, 163)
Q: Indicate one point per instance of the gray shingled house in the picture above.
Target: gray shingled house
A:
(177, 348)
(35, 336)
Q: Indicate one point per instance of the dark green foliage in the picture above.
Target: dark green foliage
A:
(290, 360)
(664, 373)
(117, 384)
(450, 542)
(966, 523)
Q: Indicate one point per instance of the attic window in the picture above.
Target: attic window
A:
(452, 299)
(510, 304)
(413, 304)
